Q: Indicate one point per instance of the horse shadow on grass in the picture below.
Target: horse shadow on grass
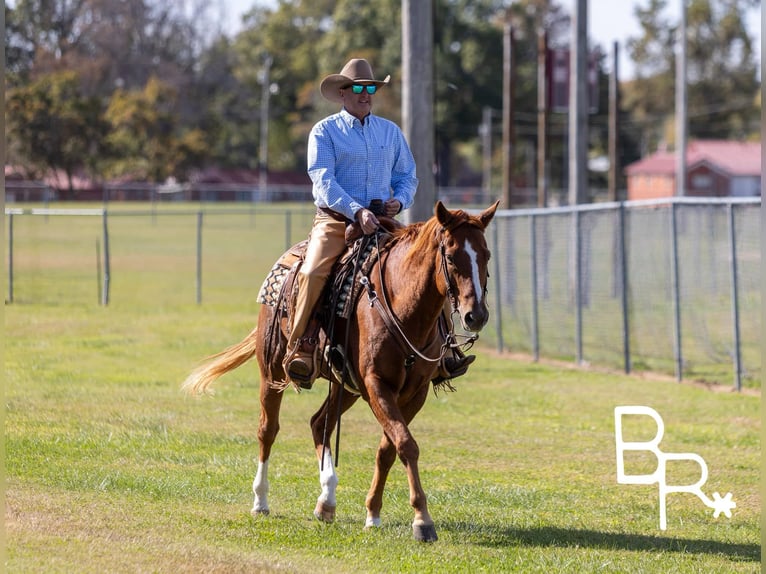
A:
(549, 536)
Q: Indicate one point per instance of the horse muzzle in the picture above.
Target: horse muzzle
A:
(475, 319)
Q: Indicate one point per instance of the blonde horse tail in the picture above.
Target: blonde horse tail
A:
(219, 364)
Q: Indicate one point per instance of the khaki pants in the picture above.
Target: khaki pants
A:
(327, 242)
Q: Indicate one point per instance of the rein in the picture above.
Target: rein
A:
(384, 310)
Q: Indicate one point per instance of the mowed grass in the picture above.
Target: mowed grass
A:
(110, 468)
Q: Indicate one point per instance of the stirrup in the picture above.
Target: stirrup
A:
(335, 357)
(300, 364)
(453, 367)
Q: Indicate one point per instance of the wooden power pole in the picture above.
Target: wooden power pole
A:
(681, 103)
(578, 105)
(614, 125)
(542, 117)
(509, 136)
(418, 101)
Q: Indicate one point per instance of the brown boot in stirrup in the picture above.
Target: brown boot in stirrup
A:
(301, 363)
(453, 367)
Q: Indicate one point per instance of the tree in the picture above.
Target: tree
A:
(145, 140)
(53, 125)
(722, 72)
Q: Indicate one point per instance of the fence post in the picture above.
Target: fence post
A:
(675, 281)
(10, 258)
(735, 298)
(288, 229)
(624, 289)
(199, 257)
(498, 286)
(98, 269)
(533, 276)
(577, 287)
(107, 270)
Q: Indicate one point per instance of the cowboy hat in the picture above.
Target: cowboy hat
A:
(355, 71)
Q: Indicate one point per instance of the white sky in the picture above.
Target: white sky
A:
(608, 21)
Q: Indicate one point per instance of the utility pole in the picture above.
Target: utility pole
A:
(418, 101)
(681, 102)
(578, 105)
(509, 136)
(263, 155)
(486, 146)
(542, 117)
(614, 123)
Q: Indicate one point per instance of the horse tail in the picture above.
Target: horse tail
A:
(219, 364)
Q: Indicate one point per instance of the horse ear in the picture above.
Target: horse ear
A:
(487, 215)
(442, 214)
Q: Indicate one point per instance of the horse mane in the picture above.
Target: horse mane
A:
(424, 235)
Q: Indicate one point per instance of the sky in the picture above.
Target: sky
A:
(608, 21)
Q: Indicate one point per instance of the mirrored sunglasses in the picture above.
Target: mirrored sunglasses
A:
(357, 89)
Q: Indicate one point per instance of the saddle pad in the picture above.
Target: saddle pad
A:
(272, 285)
(269, 292)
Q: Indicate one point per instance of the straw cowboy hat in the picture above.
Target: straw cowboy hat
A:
(356, 71)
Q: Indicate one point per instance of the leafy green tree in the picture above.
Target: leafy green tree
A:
(145, 140)
(721, 72)
(53, 125)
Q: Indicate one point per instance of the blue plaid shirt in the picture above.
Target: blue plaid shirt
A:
(351, 164)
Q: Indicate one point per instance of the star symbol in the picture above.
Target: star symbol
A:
(724, 504)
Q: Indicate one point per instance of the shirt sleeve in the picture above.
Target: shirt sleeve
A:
(326, 190)
(404, 182)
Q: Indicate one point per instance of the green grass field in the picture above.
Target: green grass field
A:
(110, 468)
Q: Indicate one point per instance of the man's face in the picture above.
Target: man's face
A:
(358, 105)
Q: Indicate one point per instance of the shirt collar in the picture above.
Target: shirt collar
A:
(351, 121)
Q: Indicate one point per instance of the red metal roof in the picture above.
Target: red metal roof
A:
(733, 157)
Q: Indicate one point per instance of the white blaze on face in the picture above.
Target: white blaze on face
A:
(474, 258)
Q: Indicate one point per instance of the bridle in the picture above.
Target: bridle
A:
(392, 323)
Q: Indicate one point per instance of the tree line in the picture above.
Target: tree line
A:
(147, 90)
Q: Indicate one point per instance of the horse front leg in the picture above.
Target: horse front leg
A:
(394, 422)
(322, 424)
(271, 400)
(328, 482)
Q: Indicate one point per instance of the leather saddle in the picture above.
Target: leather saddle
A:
(340, 295)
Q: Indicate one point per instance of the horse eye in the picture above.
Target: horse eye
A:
(450, 259)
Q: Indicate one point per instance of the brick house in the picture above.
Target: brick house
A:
(715, 168)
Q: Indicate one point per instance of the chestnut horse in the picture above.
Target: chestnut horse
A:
(393, 352)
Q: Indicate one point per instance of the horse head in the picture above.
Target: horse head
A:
(464, 262)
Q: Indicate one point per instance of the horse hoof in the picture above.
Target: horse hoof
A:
(256, 512)
(424, 532)
(324, 512)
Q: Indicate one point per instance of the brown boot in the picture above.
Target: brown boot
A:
(453, 367)
(301, 364)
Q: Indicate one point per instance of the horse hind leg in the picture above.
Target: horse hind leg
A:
(271, 401)
(384, 460)
(322, 423)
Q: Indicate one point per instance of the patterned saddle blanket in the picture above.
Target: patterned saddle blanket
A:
(345, 286)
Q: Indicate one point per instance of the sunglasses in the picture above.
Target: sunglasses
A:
(358, 88)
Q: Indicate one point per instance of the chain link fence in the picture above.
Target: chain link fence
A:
(669, 286)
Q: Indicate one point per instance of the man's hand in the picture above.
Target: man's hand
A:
(391, 207)
(367, 220)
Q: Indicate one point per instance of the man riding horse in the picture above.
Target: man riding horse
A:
(361, 167)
